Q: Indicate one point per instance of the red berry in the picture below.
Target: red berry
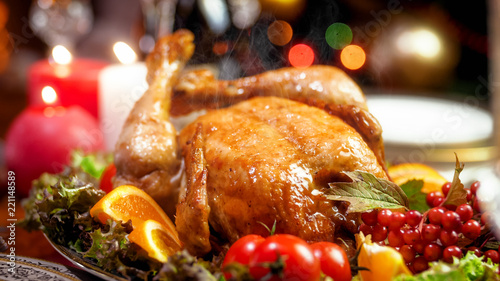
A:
(411, 236)
(448, 237)
(397, 221)
(469, 194)
(493, 255)
(396, 238)
(384, 217)
(446, 188)
(379, 233)
(420, 264)
(370, 218)
(366, 229)
(471, 229)
(413, 218)
(431, 196)
(408, 253)
(450, 207)
(432, 252)
(419, 246)
(476, 205)
(437, 201)
(435, 215)
(451, 221)
(450, 252)
(486, 219)
(476, 251)
(465, 212)
(474, 187)
(430, 232)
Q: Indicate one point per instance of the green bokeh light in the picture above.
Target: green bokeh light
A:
(338, 35)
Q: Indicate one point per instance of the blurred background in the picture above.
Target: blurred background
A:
(449, 58)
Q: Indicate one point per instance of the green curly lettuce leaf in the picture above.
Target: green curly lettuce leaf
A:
(59, 205)
(92, 164)
(469, 268)
(183, 266)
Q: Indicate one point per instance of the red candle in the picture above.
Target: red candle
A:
(75, 83)
(41, 139)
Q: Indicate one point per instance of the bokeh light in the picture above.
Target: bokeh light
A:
(301, 56)
(422, 42)
(338, 35)
(279, 32)
(220, 48)
(287, 10)
(353, 57)
(124, 53)
(216, 14)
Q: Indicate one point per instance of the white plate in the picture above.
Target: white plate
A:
(415, 120)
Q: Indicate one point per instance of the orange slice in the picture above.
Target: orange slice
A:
(158, 241)
(129, 202)
(402, 173)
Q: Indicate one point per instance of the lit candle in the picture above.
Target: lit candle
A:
(42, 137)
(75, 81)
(120, 86)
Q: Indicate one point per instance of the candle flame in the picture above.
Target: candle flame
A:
(49, 95)
(124, 53)
(61, 55)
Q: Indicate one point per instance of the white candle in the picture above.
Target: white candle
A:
(120, 86)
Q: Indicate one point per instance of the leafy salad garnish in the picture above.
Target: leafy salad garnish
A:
(59, 206)
(468, 268)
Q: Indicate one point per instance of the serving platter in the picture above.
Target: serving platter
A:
(26, 268)
(84, 264)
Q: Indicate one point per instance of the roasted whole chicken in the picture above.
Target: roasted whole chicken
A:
(263, 153)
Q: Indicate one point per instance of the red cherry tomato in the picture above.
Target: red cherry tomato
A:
(333, 260)
(241, 251)
(298, 260)
(107, 177)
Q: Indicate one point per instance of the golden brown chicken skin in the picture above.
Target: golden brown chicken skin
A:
(323, 86)
(269, 159)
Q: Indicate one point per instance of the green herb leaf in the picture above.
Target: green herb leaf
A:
(92, 164)
(468, 268)
(367, 192)
(183, 266)
(416, 197)
(457, 194)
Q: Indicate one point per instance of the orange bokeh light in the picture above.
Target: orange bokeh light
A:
(353, 57)
(220, 48)
(301, 56)
(279, 32)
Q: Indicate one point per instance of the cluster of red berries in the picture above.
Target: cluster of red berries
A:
(435, 238)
